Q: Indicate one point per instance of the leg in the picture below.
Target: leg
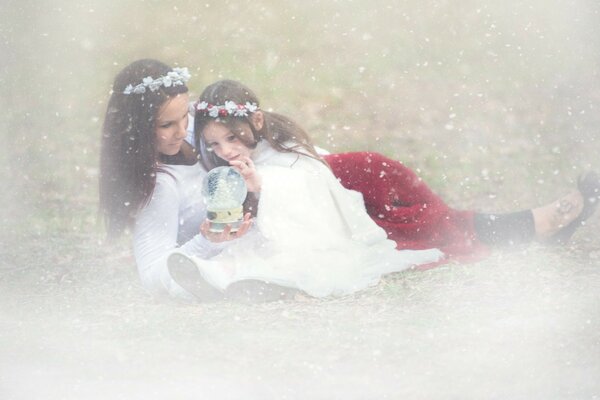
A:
(588, 197)
(505, 229)
(404, 206)
(185, 272)
(415, 217)
(546, 223)
(551, 218)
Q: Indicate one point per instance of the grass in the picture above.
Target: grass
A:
(494, 104)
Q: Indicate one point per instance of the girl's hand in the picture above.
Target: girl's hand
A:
(246, 167)
(226, 235)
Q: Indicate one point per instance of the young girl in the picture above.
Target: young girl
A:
(150, 179)
(416, 218)
(310, 232)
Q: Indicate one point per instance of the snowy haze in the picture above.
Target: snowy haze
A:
(494, 103)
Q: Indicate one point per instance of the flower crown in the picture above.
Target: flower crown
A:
(176, 77)
(227, 109)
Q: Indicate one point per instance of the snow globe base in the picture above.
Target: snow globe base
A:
(220, 219)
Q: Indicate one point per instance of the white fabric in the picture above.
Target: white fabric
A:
(313, 234)
(171, 219)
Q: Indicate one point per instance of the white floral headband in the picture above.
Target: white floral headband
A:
(229, 108)
(176, 77)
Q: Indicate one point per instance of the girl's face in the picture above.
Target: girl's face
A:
(171, 125)
(226, 144)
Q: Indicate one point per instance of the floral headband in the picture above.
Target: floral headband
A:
(230, 108)
(176, 77)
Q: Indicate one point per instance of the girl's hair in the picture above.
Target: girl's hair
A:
(283, 134)
(129, 159)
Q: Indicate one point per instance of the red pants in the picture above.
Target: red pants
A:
(411, 214)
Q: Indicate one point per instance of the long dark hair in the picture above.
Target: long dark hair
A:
(129, 159)
(277, 129)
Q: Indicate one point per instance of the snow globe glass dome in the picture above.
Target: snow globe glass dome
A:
(224, 192)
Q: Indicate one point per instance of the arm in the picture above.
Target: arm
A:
(155, 237)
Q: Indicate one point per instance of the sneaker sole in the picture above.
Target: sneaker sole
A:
(184, 271)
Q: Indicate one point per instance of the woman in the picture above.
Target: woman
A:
(150, 177)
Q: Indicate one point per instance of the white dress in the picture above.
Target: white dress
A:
(310, 233)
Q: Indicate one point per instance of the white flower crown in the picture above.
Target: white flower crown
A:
(176, 77)
(229, 108)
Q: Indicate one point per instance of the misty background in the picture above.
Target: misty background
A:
(494, 103)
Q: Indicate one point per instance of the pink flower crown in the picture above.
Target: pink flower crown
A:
(229, 108)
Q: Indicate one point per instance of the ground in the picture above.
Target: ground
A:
(493, 103)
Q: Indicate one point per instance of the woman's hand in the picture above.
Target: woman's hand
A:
(226, 235)
(246, 168)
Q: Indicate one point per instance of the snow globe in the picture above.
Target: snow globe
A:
(224, 192)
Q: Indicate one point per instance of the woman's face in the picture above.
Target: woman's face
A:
(171, 125)
(226, 144)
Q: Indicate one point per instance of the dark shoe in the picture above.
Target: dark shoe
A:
(589, 186)
(184, 271)
(255, 291)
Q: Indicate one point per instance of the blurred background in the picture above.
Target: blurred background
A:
(494, 103)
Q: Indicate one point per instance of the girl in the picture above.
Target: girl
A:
(414, 217)
(231, 129)
(150, 179)
(311, 233)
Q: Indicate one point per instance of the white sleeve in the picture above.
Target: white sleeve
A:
(155, 237)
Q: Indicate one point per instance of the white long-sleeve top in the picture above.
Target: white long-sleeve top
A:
(171, 220)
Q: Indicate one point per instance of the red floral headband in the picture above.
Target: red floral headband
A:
(229, 108)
